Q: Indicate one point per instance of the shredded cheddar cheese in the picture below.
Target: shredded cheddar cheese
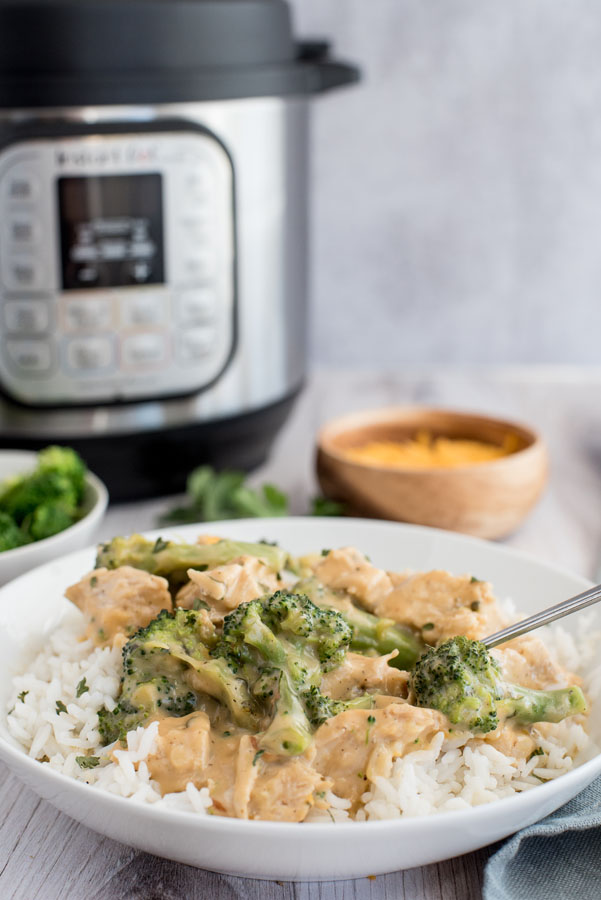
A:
(425, 452)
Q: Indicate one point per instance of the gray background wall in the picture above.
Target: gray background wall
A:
(457, 191)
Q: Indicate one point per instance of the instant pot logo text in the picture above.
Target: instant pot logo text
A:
(109, 155)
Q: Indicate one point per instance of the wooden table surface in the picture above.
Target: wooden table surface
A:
(45, 855)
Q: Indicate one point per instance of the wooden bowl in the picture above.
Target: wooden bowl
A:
(487, 499)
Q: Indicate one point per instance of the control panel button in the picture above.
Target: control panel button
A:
(26, 316)
(196, 344)
(89, 314)
(32, 357)
(197, 305)
(198, 184)
(198, 264)
(21, 230)
(22, 271)
(143, 309)
(144, 350)
(20, 184)
(90, 354)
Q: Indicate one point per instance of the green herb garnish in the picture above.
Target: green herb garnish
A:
(87, 762)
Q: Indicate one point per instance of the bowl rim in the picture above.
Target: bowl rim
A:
(99, 504)
(386, 414)
(19, 761)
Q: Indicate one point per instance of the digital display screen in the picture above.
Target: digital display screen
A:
(111, 229)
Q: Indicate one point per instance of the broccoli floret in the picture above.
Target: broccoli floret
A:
(11, 535)
(281, 645)
(67, 462)
(320, 707)
(49, 519)
(47, 500)
(462, 680)
(167, 666)
(38, 489)
(371, 634)
(172, 559)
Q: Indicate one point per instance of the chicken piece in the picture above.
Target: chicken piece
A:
(244, 782)
(117, 602)
(226, 587)
(182, 752)
(349, 570)
(527, 661)
(359, 674)
(442, 606)
(511, 741)
(279, 789)
(359, 744)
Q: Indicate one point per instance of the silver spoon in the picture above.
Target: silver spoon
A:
(580, 601)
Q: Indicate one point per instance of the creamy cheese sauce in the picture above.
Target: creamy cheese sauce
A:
(348, 750)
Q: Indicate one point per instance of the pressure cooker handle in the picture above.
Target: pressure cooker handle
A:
(329, 74)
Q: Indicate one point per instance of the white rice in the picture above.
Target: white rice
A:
(450, 774)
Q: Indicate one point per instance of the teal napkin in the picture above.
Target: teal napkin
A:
(557, 858)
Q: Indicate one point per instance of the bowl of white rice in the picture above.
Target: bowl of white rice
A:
(439, 801)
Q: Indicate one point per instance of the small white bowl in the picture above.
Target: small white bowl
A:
(22, 559)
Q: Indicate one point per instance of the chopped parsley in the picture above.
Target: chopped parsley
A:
(258, 756)
(87, 762)
(60, 707)
(324, 552)
(22, 696)
(370, 722)
(81, 688)
(93, 581)
(538, 752)
(159, 545)
(428, 626)
(474, 580)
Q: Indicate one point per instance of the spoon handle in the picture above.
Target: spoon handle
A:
(580, 601)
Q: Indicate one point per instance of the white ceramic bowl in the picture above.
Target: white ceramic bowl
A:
(23, 559)
(33, 605)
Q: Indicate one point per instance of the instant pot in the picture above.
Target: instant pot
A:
(153, 230)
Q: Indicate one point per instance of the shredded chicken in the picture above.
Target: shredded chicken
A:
(349, 570)
(226, 587)
(244, 782)
(442, 606)
(359, 744)
(117, 602)
(359, 674)
(527, 661)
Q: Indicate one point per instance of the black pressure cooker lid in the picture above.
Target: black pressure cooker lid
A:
(87, 52)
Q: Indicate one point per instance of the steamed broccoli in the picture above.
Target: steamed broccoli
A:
(172, 559)
(281, 645)
(462, 680)
(167, 666)
(371, 634)
(49, 519)
(37, 489)
(11, 535)
(47, 500)
(66, 462)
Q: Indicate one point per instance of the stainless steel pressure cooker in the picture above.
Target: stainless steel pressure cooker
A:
(153, 218)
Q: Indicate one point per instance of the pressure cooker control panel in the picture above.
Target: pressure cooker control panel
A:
(117, 258)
